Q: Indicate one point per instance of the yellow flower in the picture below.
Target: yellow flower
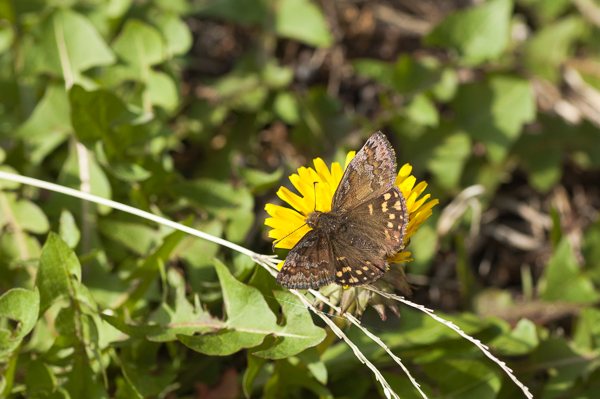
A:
(288, 225)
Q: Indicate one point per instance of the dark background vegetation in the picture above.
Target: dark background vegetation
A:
(198, 110)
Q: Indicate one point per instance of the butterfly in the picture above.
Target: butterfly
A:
(367, 223)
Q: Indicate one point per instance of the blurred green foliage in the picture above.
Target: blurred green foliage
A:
(197, 110)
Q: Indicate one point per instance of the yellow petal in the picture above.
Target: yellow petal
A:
(349, 158)
(285, 220)
(407, 185)
(418, 204)
(302, 182)
(336, 174)
(410, 201)
(404, 172)
(322, 170)
(292, 239)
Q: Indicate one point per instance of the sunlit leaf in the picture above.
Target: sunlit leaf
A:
(48, 126)
(59, 274)
(241, 331)
(479, 33)
(563, 279)
(21, 307)
(495, 111)
(140, 44)
(68, 44)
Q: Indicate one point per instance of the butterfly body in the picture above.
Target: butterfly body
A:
(350, 244)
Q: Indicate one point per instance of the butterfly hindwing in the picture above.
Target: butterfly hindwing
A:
(309, 264)
(370, 173)
(356, 266)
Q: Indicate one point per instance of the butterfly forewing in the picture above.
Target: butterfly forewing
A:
(309, 264)
(370, 173)
(383, 219)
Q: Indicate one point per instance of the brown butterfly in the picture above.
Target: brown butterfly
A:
(367, 223)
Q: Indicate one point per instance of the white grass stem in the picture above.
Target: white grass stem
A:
(350, 317)
(387, 389)
(460, 332)
(126, 208)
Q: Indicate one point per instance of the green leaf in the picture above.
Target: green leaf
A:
(21, 307)
(184, 318)
(285, 106)
(21, 214)
(377, 70)
(140, 45)
(587, 331)
(48, 126)
(542, 154)
(523, 339)
(448, 159)
(591, 250)
(7, 36)
(243, 12)
(312, 358)
(216, 197)
(198, 255)
(478, 33)
(253, 366)
(494, 112)
(552, 46)
(68, 229)
(17, 246)
(128, 171)
(260, 181)
(137, 375)
(298, 333)
(243, 331)
(95, 116)
(546, 10)
(422, 111)
(59, 274)
(83, 382)
(162, 91)
(70, 176)
(176, 33)
(39, 379)
(563, 280)
(122, 232)
(239, 225)
(568, 366)
(68, 45)
(465, 378)
(407, 75)
(302, 20)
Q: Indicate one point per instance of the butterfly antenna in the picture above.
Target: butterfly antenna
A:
(287, 235)
(304, 224)
(315, 194)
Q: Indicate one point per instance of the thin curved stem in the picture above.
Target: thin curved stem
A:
(126, 208)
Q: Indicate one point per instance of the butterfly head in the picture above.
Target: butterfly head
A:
(327, 222)
(312, 220)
